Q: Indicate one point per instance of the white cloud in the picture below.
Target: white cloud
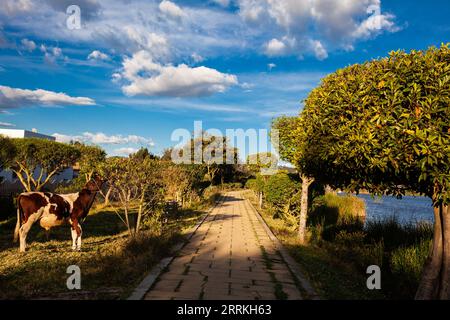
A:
(223, 3)
(125, 151)
(290, 14)
(15, 98)
(104, 139)
(275, 47)
(375, 24)
(252, 10)
(51, 54)
(13, 7)
(197, 58)
(28, 44)
(324, 23)
(205, 29)
(151, 42)
(7, 124)
(147, 77)
(171, 9)
(319, 50)
(97, 55)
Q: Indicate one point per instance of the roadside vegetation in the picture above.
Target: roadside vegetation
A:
(111, 262)
(381, 126)
(340, 246)
(144, 208)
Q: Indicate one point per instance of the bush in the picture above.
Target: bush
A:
(211, 194)
(256, 184)
(280, 190)
(332, 209)
(231, 186)
(251, 184)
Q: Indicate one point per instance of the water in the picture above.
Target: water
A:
(409, 209)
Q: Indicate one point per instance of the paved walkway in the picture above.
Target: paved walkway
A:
(229, 257)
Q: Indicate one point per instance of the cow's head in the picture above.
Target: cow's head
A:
(95, 184)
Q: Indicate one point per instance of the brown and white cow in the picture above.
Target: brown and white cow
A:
(52, 210)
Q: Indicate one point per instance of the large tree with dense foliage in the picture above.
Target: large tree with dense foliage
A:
(37, 161)
(384, 126)
(291, 141)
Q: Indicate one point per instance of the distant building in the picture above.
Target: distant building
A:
(17, 133)
(10, 183)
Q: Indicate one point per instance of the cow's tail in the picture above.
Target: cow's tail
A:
(18, 223)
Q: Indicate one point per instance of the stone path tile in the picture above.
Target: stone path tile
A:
(224, 260)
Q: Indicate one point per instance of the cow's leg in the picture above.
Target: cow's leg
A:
(74, 238)
(76, 235)
(47, 234)
(23, 232)
(79, 238)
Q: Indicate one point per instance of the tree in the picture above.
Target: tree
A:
(256, 164)
(90, 158)
(385, 126)
(212, 152)
(7, 152)
(134, 183)
(167, 154)
(142, 154)
(177, 182)
(292, 137)
(37, 161)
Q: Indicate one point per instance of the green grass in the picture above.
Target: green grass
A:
(333, 209)
(111, 263)
(340, 250)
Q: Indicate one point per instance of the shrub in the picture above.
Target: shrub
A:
(251, 184)
(280, 189)
(231, 186)
(409, 261)
(395, 235)
(332, 209)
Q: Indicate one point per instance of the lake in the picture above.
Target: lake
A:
(406, 210)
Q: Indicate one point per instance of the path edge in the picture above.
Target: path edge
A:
(290, 262)
(144, 286)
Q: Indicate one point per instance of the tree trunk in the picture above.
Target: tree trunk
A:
(445, 273)
(306, 182)
(435, 281)
(108, 194)
(260, 199)
(429, 283)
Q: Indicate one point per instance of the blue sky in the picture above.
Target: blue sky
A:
(137, 70)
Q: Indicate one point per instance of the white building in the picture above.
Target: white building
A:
(17, 133)
(10, 180)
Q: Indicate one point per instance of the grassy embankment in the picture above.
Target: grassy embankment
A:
(111, 263)
(341, 247)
